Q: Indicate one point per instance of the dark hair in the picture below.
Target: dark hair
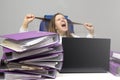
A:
(51, 27)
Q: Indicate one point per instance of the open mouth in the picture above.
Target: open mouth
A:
(63, 25)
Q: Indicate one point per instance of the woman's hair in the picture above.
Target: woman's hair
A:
(51, 27)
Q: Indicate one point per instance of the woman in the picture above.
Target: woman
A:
(58, 24)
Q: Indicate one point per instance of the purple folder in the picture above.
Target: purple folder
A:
(17, 38)
(33, 35)
(26, 76)
(51, 74)
(27, 35)
(17, 68)
(55, 57)
(115, 55)
(114, 68)
(44, 55)
(7, 50)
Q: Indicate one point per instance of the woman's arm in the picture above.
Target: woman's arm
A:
(27, 19)
(90, 29)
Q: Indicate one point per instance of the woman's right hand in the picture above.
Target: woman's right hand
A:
(27, 19)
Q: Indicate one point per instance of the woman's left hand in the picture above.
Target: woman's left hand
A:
(89, 27)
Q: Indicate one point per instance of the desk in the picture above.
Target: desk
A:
(86, 76)
(79, 76)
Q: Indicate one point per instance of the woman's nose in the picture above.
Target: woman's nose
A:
(62, 20)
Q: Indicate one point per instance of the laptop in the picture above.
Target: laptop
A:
(85, 55)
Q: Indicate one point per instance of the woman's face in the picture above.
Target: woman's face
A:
(61, 23)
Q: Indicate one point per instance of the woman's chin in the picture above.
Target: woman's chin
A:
(65, 30)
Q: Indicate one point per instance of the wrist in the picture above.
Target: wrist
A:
(25, 25)
(91, 32)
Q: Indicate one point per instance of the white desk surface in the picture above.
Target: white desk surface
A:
(86, 76)
(76, 76)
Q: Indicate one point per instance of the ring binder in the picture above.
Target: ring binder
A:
(38, 54)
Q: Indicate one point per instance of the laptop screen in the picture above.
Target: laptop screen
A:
(85, 55)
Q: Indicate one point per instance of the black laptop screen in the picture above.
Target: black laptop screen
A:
(85, 55)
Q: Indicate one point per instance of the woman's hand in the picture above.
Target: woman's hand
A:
(27, 19)
(89, 27)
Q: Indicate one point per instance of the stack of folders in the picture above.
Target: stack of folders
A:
(31, 55)
(115, 63)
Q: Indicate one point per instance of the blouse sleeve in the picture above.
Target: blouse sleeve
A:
(22, 29)
(88, 36)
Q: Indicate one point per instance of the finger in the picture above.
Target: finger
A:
(29, 16)
(88, 25)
